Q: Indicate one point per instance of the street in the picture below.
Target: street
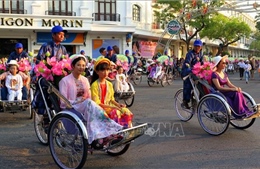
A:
(169, 143)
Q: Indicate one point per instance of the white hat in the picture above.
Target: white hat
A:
(217, 59)
(13, 62)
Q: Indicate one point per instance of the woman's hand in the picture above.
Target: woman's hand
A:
(236, 89)
(122, 105)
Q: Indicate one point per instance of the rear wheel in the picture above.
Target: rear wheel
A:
(183, 113)
(40, 127)
(213, 114)
(68, 147)
(169, 78)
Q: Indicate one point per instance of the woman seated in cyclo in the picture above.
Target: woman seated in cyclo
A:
(233, 94)
(75, 87)
(6, 91)
(103, 94)
(152, 70)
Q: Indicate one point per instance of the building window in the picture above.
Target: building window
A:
(136, 13)
(105, 10)
(12, 6)
(60, 7)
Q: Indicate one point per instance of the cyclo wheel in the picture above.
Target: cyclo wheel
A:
(213, 114)
(137, 79)
(182, 113)
(129, 101)
(244, 124)
(169, 78)
(150, 82)
(31, 113)
(119, 150)
(164, 80)
(67, 144)
(40, 128)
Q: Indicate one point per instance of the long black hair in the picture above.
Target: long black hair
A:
(101, 66)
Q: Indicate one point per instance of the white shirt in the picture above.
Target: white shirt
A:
(14, 82)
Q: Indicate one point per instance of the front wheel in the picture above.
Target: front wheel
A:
(68, 147)
(129, 101)
(150, 82)
(183, 113)
(119, 150)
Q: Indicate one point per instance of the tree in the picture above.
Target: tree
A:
(255, 45)
(193, 15)
(227, 30)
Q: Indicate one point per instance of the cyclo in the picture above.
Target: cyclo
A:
(65, 131)
(213, 111)
(16, 105)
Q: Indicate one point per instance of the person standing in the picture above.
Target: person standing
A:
(110, 54)
(54, 47)
(18, 54)
(193, 56)
(247, 70)
(241, 66)
(103, 51)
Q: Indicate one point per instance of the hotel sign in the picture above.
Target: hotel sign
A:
(29, 22)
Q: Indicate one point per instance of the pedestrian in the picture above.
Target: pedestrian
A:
(103, 52)
(247, 70)
(241, 69)
(54, 47)
(18, 54)
(192, 57)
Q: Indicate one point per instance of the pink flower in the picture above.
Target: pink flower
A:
(203, 71)
(51, 61)
(24, 65)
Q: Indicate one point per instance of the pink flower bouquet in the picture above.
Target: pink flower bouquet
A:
(203, 71)
(24, 65)
(52, 69)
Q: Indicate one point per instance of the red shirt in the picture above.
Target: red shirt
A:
(103, 88)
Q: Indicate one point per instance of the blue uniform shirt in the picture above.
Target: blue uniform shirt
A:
(191, 59)
(14, 56)
(54, 49)
(112, 58)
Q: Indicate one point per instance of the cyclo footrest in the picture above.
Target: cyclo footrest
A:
(130, 134)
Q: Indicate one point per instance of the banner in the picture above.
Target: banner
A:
(99, 43)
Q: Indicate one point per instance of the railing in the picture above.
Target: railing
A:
(106, 17)
(65, 13)
(13, 11)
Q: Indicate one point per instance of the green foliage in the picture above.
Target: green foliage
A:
(166, 11)
(227, 30)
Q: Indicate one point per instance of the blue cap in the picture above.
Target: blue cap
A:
(18, 45)
(133, 53)
(82, 51)
(197, 43)
(109, 48)
(57, 29)
(126, 51)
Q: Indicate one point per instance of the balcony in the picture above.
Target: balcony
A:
(106, 17)
(62, 13)
(13, 11)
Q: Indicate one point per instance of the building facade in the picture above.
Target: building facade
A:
(91, 25)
